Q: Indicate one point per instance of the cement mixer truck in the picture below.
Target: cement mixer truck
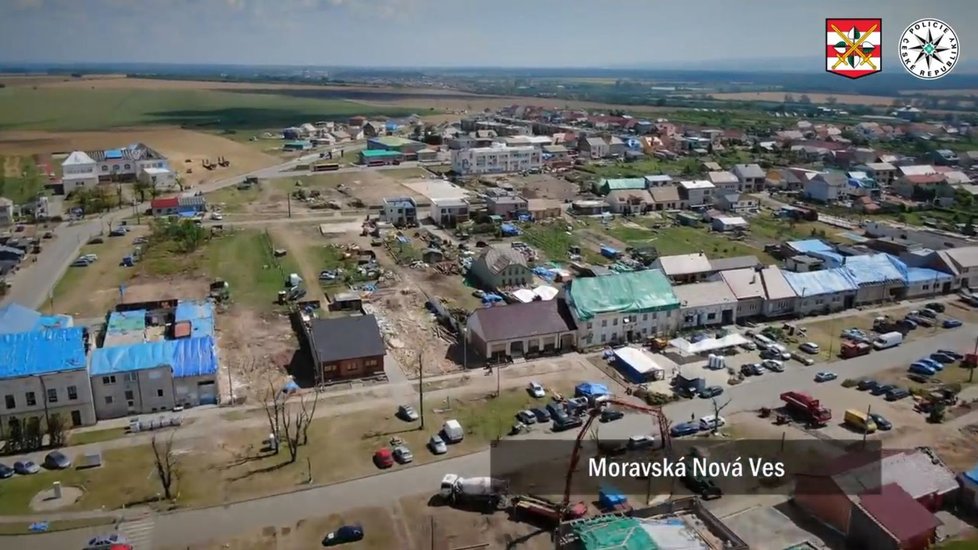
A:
(482, 491)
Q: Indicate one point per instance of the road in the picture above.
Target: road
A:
(184, 528)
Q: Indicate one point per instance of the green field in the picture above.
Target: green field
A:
(60, 109)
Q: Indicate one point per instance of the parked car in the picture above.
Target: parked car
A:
(935, 306)
(140, 240)
(942, 359)
(918, 378)
(749, 345)
(26, 468)
(684, 429)
(921, 321)
(526, 417)
(402, 454)
(773, 365)
(957, 356)
(881, 422)
(922, 369)
(407, 412)
(751, 369)
(882, 390)
(710, 392)
(383, 458)
(437, 445)
(930, 363)
(610, 415)
(825, 376)
(640, 442)
(6, 471)
(951, 323)
(56, 460)
(541, 414)
(867, 384)
(343, 535)
(896, 394)
(81, 262)
(96, 240)
(809, 347)
(576, 406)
(566, 423)
(927, 312)
(536, 390)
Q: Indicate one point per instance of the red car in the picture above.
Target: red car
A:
(384, 458)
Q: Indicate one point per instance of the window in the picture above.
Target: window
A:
(351, 368)
(159, 393)
(106, 380)
(603, 338)
(31, 399)
(129, 396)
(105, 168)
(10, 402)
(108, 399)
(131, 376)
(370, 362)
(590, 325)
(711, 316)
(645, 316)
(52, 395)
(604, 322)
(72, 393)
(127, 167)
(614, 322)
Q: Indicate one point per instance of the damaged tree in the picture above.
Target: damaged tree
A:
(295, 427)
(274, 403)
(167, 467)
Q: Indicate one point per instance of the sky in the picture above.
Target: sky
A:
(453, 33)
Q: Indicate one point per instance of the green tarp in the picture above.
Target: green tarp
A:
(628, 184)
(613, 533)
(637, 292)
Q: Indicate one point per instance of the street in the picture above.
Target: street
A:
(186, 527)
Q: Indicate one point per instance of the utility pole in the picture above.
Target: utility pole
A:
(230, 386)
(421, 390)
(498, 368)
(288, 198)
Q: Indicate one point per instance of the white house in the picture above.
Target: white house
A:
(78, 171)
(685, 268)
(825, 187)
(706, 304)
(160, 178)
(400, 211)
(747, 285)
(497, 159)
(6, 211)
(128, 162)
(780, 297)
(696, 193)
(882, 172)
(728, 223)
(750, 176)
(629, 201)
(724, 181)
(449, 212)
(962, 264)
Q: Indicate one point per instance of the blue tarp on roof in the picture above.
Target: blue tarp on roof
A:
(872, 269)
(814, 283)
(41, 352)
(186, 357)
(808, 246)
(113, 154)
(609, 497)
(15, 318)
(831, 259)
(126, 321)
(200, 313)
(52, 322)
(925, 275)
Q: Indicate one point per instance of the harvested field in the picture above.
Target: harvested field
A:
(176, 144)
(843, 99)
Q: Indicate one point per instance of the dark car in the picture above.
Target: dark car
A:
(96, 240)
(710, 391)
(881, 422)
(957, 356)
(6, 471)
(55, 460)
(942, 358)
(929, 313)
(343, 535)
(920, 321)
(566, 423)
(882, 390)
(26, 468)
(683, 429)
(867, 384)
(541, 414)
(610, 415)
(951, 323)
(935, 306)
(896, 394)
(751, 369)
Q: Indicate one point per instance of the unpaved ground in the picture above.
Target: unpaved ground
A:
(299, 241)
(255, 349)
(454, 528)
(176, 144)
(543, 186)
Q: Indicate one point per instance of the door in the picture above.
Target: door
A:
(76, 419)
(207, 393)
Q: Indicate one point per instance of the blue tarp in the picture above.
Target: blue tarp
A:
(121, 322)
(872, 269)
(609, 252)
(290, 387)
(187, 357)
(51, 322)
(590, 389)
(403, 239)
(490, 298)
(832, 259)
(808, 246)
(544, 273)
(15, 318)
(609, 497)
(972, 474)
(200, 313)
(814, 283)
(926, 275)
(41, 352)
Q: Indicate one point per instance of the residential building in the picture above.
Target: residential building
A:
(825, 188)
(380, 157)
(877, 277)
(543, 209)
(44, 372)
(6, 211)
(695, 194)
(605, 186)
(882, 172)
(400, 211)
(935, 185)
(960, 263)
(945, 157)
(156, 376)
(706, 304)
(685, 268)
(802, 263)
(657, 180)
(507, 206)
(501, 267)
(629, 201)
(665, 198)
(407, 147)
(616, 147)
(724, 182)
(184, 205)
(345, 348)
(747, 286)
(449, 212)
(781, 297)
(736, 262)
(735, 202)
(78, 171)
(555, 153)
(728, 223)
(825, 291)
(750, 176)
(641, 304)
(593, 148)
(521, 329)
(497, 159)
(126, 164)
(158, 178)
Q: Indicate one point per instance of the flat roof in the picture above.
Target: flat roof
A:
(704, 294)
(436, 189)
(685, 264)
(42, 352)
(698, 184)
(776, 285)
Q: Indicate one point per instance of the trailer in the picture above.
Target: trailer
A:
(806, 406)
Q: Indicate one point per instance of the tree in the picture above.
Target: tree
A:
(274, 404)
(141, 187)
(716, 414)
(295, 427)
(57, 430)
(33, 434)
(15, 434)
(310, 413)
(166, 463)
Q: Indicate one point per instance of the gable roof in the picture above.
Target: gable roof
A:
(665, 193)
(15, 318)
(685, 264)
(77, 158)
(165, 202)
(737, 262)
(897, 512)
(342, 338)
(722, 177)
(498, 258)
(634, 292)
(745, 283)
(749, 171)
(522, 320)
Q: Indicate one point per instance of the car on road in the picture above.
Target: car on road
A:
(882, 390)
(437, 445)
(935, 306)
(927, 312)
(96, 240)
(867, 384)
(951, 323)
(527, 417)
(542, 414)
(773, 365)
(383, 458)
(26, 467)
(710, 392)
(343, 535)
(809, 347)
(403, 455)
(610, 415)
(536, 390)
(825, 376)
(776, 354)
(407, 412)
(881, 422)
(751, 369)
(56, 460)
(942, 359)
(6, 471)
(684, 429)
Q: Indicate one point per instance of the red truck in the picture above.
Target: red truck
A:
(806, 406)
(854, 349)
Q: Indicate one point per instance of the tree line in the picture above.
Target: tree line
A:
(26, 435)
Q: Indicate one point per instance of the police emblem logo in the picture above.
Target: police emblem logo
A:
(929, 49)
(853, 47)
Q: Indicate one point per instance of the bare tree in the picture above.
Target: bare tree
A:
(295, 427)
(167, 465)
(308, 413)
(274, 403)
(716, 415)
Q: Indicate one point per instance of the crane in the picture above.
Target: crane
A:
(594, 412)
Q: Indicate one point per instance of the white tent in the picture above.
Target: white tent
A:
(524, 295)
(708, 344)
(545, 292)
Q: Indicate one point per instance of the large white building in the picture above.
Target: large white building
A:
(497, 159)
(127, 163)
(78, 171)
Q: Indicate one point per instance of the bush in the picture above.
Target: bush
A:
(849, 383)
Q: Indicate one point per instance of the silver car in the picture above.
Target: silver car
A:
(437, 445)
(403, 455)
(407, 412)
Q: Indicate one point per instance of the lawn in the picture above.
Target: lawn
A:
(19, 179)
(775, 230)
(685, 240)
(232, 199)
(551, 239)
(641, 168)
(95, 436)
(66, 109)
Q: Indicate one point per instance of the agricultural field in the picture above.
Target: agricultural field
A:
(842, 99)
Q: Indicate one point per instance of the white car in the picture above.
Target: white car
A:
(217, 216)
(773, 365)
(536, 390)
(809, 347)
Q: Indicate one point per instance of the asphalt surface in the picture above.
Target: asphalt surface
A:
(184, 528)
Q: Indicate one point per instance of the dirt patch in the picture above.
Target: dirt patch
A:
(844, 99)
(256, 349)
(176, 144)
(543, 186)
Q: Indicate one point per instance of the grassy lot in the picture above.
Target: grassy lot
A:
(774, 229)
(96, 436)
(685, 240)
(64, 109)
(405, 174)
(551, 239)
(20, 180)
(970, 544)
(232, 199)
(23, 528)
(641, 168)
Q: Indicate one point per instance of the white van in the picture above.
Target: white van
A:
(452, 431)
(708, 422)
(888, 340)
(763, 342)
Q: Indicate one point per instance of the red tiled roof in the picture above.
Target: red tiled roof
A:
(899, 513)
(165, 202)
(926, 179)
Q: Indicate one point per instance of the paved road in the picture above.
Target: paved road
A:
(189, 527)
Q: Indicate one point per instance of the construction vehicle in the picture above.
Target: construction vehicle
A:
(702, 485)
(489, 494)
(854, 349)
(803, 405)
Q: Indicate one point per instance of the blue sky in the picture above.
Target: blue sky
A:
(418, 33)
